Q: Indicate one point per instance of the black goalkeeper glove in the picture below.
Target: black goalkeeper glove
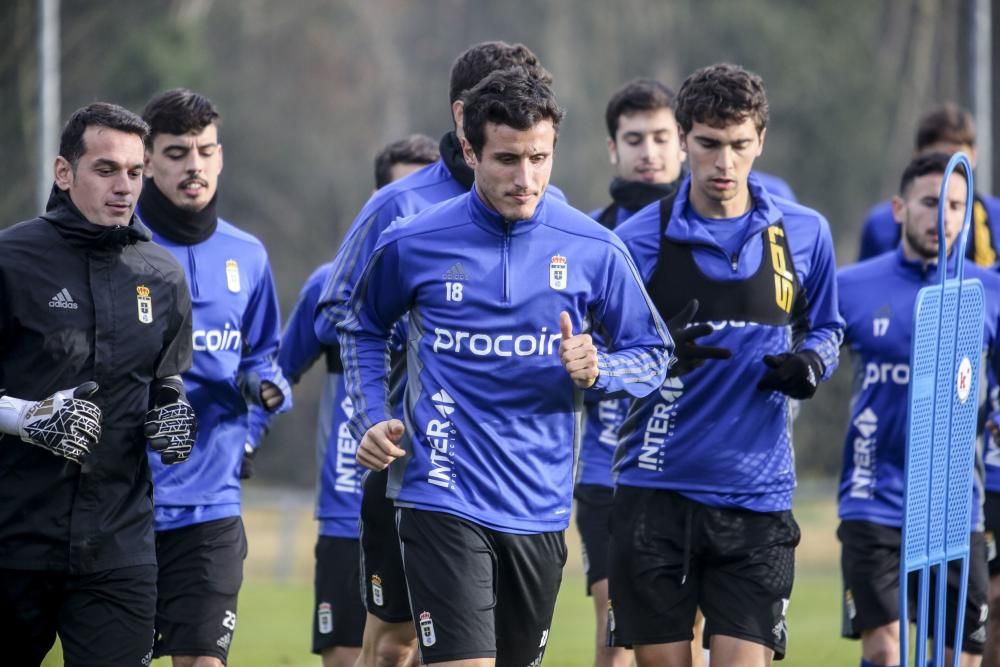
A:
(65, 423)
(689, 354)
(795, 374)
(171, 426)
(247, 466)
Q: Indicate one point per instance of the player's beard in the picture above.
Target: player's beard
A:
(921, 244)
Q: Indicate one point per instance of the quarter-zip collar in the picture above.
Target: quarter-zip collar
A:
(684, 229)
(488, 219)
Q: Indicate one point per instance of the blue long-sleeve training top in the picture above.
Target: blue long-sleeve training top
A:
(876, 300)
(236, 329)
(490, 415)
(711, 435)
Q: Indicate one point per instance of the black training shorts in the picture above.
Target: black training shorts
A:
(104, 618)
(869, 563)
(991, 509)
(593, 521)
(381, 565)
(478, 592)
(201, 570)
(671, 555)
(339, 619)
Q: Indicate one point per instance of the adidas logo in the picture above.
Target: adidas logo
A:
(456, 272)
(62, 299)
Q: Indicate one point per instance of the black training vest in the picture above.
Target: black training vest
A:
(771, 296)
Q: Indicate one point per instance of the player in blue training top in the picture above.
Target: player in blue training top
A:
(339, 615)
(991, 511)
(644, 149)
(944, 129)
(483, 457)
(200, 541)
(389, 635)
(705, 466)
(878, 333)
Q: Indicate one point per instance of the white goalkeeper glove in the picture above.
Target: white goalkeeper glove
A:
(65, 423)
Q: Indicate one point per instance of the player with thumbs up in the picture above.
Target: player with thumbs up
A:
(495, 283)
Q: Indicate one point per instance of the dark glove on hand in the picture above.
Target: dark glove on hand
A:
(271, 396)
(171, 426)
(689, 354)
(247, 467)
(64, 423)
(795, 374)
(265, 393)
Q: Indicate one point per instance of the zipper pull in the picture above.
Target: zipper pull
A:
(735, 261)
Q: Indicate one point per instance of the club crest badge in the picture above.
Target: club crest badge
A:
(427, 636)
(232, 276)
(324, 618)
(557, 272)
(377, 596)
(145, 304)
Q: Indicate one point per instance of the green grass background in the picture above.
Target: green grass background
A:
(275, 607)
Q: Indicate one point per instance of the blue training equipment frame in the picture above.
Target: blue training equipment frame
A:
(945, 360)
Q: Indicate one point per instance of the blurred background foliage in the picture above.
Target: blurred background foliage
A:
(310, 89)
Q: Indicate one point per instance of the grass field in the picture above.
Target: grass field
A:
(276, 601)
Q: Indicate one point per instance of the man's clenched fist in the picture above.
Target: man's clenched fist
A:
(379, 446)
(577, 353)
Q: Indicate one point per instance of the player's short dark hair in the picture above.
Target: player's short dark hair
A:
(720, 95)
(103, 114)
(946, 123)
(178, 111)
(414, 149)
(479, 60)
(637, 95)
(922, 165)
(509, 97)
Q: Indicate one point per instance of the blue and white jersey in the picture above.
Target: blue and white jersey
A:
(876, 300)
(338, 487)
(711, 435)
(491, 416)
(236, 329)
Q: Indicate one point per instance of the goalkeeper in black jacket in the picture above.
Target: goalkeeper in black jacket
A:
(95, 328)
